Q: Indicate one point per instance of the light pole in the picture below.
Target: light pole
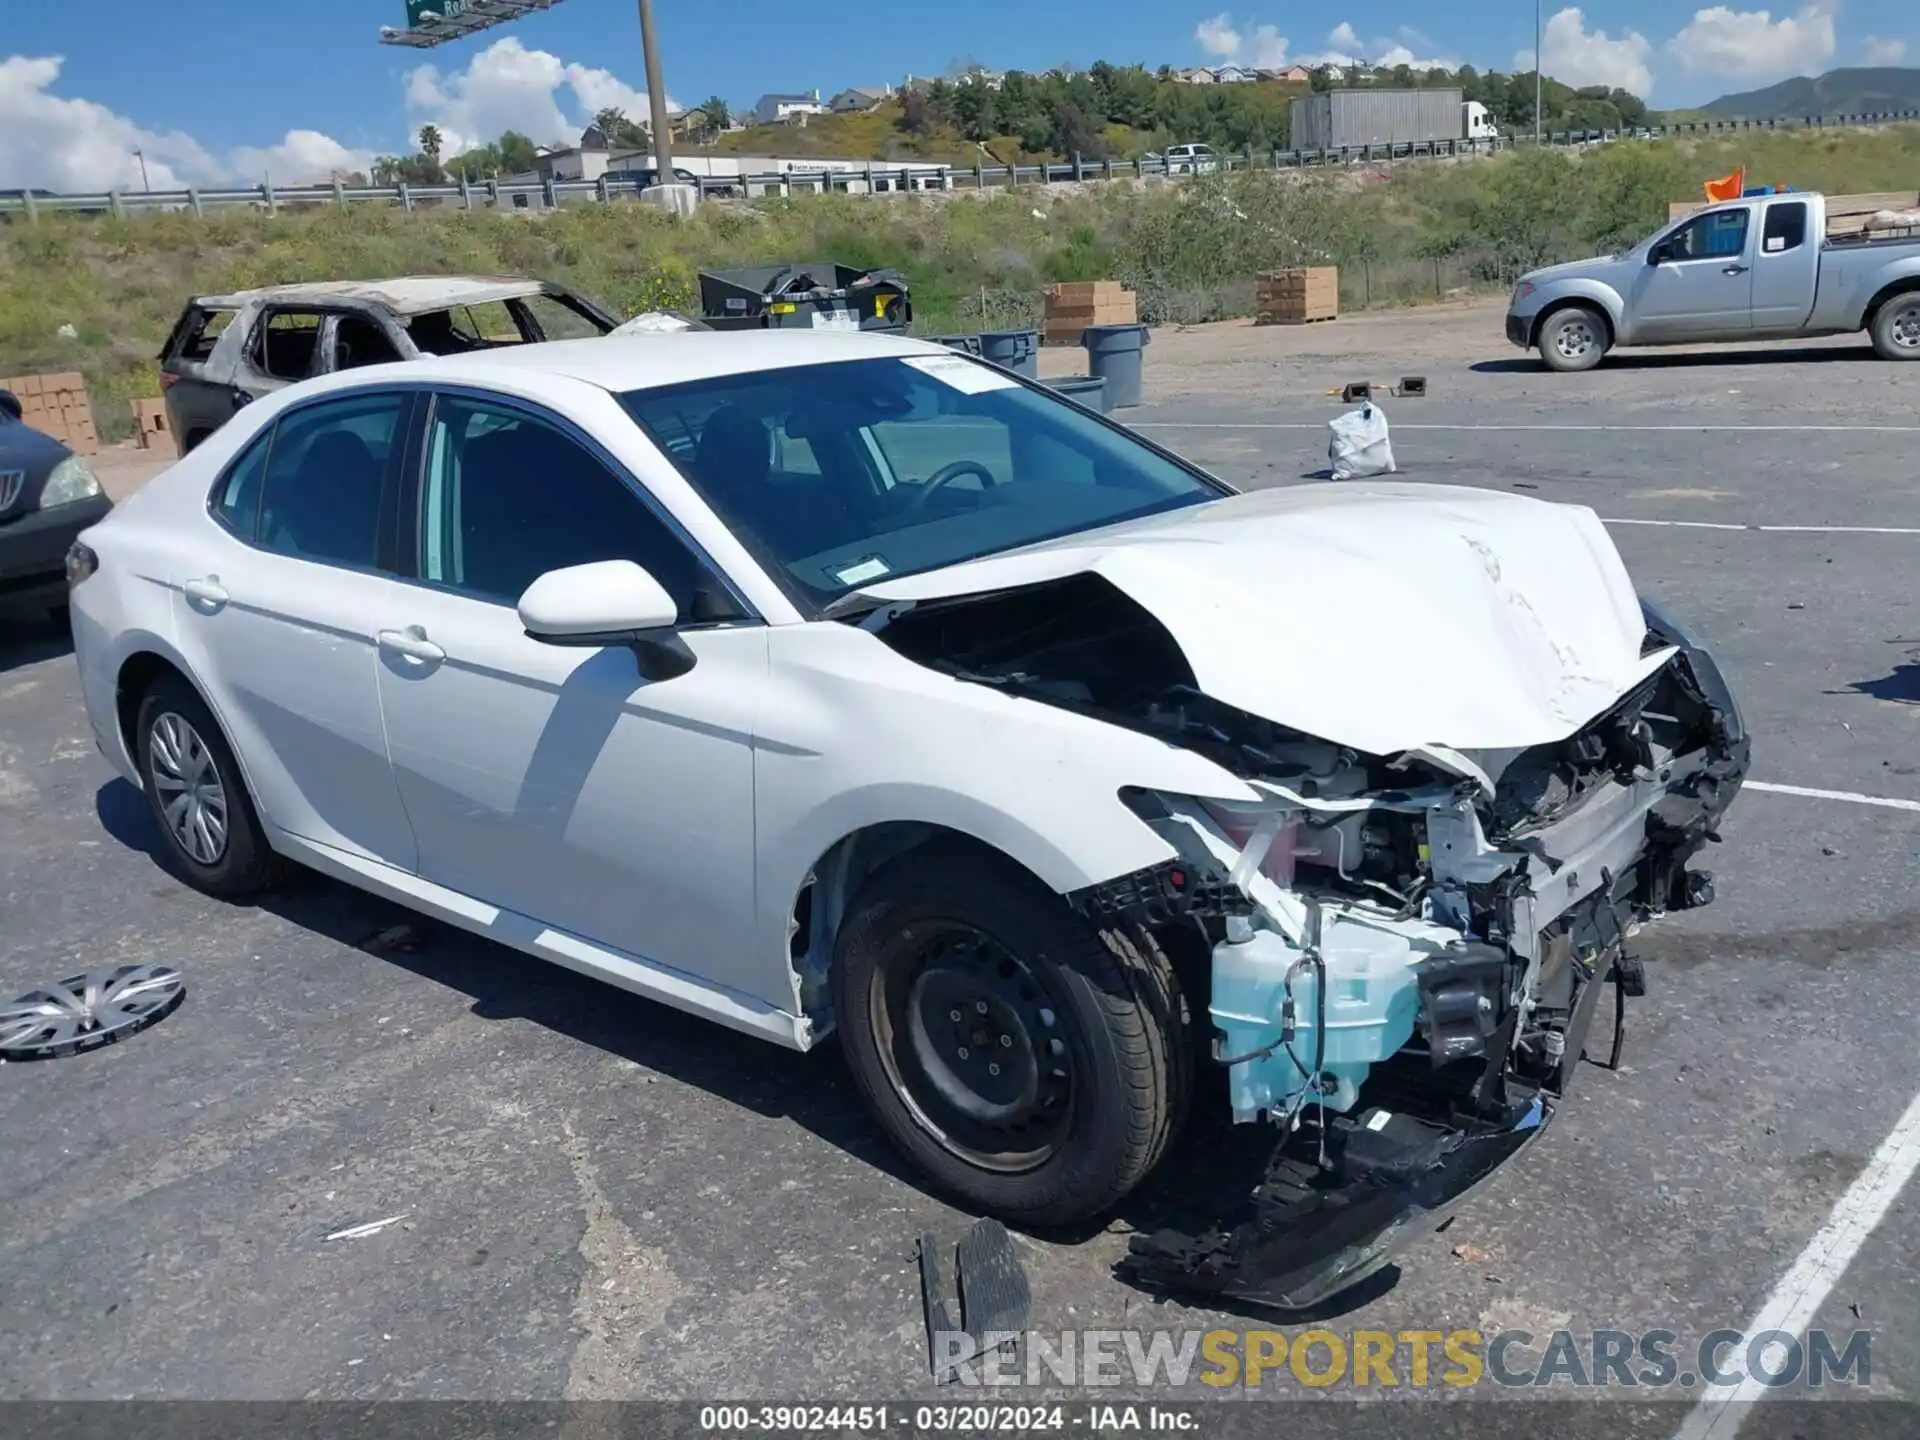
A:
(656, 99)
(1539, 85)
(141, 156)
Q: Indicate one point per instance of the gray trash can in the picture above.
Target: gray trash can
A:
(1113, 353)
(1015, 350)
(1089, 390)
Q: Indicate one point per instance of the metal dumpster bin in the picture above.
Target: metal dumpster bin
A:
(809, 295)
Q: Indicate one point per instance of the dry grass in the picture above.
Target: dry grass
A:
(1190, 250)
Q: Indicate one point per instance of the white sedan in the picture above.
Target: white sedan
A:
(814, 682)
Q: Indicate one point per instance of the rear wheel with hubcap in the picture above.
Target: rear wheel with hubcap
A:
(1573, 339)
(197, 795)
(1896, 329)
(1033, 1065)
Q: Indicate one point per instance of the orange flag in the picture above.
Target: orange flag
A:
(1728, 187)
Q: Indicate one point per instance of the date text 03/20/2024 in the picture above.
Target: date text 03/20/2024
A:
(938, 1419)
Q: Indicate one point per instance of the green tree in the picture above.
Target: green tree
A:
(622, 132)
(715, 114)
(517, 153)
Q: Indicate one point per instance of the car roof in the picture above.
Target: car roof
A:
(405, 295)
(641, 362)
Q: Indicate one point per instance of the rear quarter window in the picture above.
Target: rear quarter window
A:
(196, 333)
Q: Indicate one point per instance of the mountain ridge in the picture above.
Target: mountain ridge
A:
(1852, 90)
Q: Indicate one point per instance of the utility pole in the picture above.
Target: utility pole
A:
(656, 99)
(141, 156)
(1539, 85)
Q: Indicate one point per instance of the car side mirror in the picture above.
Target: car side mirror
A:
(1660, 254)
(608, 602)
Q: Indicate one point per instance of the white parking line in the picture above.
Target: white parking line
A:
(1798, 1296)
(1851, 797)
(1770, 529)
(1529, 429)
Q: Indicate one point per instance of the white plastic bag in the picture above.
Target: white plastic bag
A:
(1360, 446)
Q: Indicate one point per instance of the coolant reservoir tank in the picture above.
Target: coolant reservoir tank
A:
(1372, 1002)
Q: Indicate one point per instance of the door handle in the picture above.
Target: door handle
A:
(412, 643)
(1734, 270)
(209, 593)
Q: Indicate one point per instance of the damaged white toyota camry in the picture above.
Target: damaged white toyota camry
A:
(815, 683)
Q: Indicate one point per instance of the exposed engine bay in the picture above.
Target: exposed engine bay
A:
(1407, 950)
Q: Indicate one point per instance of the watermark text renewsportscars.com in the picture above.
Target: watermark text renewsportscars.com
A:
(1374, 1360)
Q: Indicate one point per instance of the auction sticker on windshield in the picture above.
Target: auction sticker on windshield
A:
(861, 571)
(969, 377)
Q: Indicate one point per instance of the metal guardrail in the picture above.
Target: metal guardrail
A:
(872, 179)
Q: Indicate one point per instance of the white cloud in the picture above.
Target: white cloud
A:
(1346, 47)
(54, 142)
(303, 157)
(509, 87)
(1752, 45)
(1579, 57)
(1876, 51)
(1262, 48)
(1218, 37)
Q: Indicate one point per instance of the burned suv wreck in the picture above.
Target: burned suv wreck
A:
(1403, 942)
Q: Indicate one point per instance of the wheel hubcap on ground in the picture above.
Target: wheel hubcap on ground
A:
(188, 786)
(89, 1010)
(1575, 340)
(975, 1049)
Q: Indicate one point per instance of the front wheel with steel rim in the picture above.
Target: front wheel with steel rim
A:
(1573, 339)
(198, 798)
(1029, 1063)
(1896, 329)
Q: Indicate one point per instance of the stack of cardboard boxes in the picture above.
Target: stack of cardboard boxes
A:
(1294, 297)
(57, 405)
(151, 427)
(1073, 306)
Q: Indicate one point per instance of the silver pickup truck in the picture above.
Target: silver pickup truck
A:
(1757, 269)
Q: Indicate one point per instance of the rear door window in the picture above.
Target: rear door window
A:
(358, 340)
(326, 479)
(286, 343)
(556, 318)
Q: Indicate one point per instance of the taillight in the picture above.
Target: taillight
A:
(168, 380)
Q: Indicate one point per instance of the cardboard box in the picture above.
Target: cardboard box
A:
(1073, 305)
(151, 428)
(58, 406)
(1297, 297)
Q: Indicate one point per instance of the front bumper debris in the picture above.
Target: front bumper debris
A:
(1405, 1057)
(1314, 1232)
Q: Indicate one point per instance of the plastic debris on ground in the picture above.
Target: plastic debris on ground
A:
(995, 1301)
(1360, 445)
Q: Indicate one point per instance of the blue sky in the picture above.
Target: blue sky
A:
(220, 89)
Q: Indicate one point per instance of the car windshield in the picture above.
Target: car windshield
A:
(842, 475)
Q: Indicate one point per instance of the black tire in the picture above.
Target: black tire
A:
(244, 864)
(1896, 328)
(951, 913)
(194, 437)
(1573, 339)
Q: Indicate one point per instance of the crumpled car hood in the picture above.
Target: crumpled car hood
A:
(1383, 616)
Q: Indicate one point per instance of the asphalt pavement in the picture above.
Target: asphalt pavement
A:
(593, 1197)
